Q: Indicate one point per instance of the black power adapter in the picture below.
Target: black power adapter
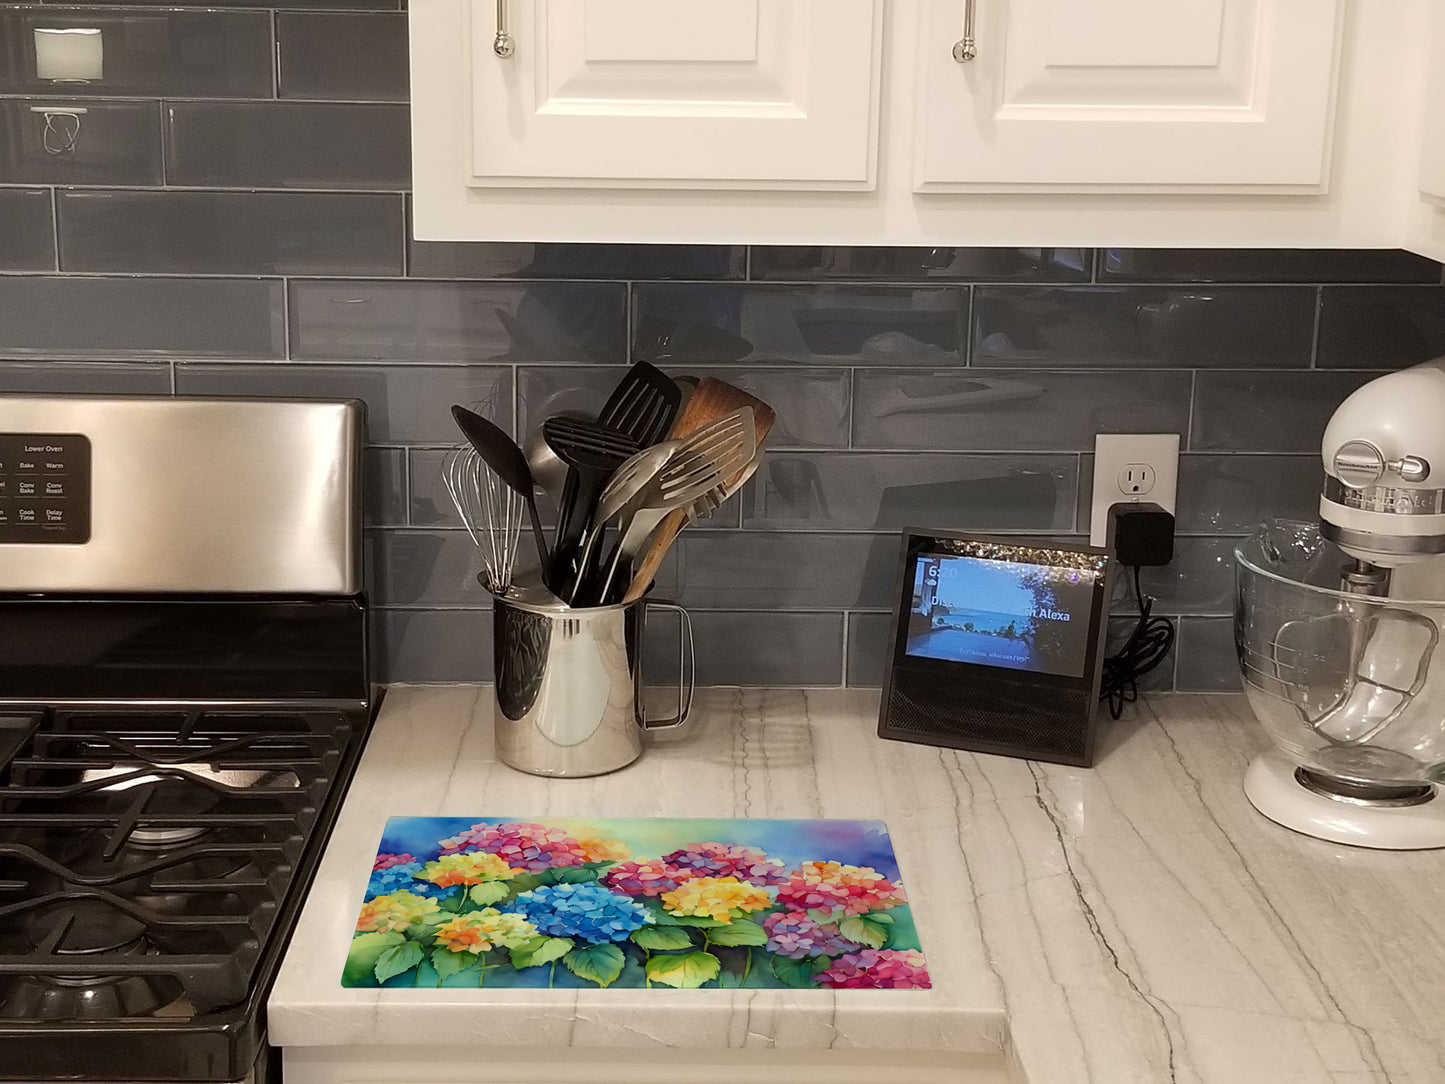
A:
(1139, 534)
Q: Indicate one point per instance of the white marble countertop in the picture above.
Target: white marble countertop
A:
(1137, 922)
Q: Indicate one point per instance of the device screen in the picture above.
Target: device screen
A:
(1001, 613)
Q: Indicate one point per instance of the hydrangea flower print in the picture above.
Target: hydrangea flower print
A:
(729, 860)
(576, 903)
(483, 930)
(384, 861)
(390, 878)
(649, 877)
(841, 889)
(720, 898)
(467, 869)
(877, 969)
(524, 845)
(588, 912)
(794, 935)
(395, 911)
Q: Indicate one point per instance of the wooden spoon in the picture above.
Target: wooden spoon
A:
(712, 399)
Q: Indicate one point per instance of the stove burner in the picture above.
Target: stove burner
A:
(84, 927)
(91, 997)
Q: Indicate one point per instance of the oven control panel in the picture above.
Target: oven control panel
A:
(44, 488)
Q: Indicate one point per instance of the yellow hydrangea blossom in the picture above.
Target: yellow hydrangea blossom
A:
(483, 930)
(467, 869)
(722, 898)
(597, 849)
(394, 911)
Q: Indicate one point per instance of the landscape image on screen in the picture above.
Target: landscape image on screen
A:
(1001, 613)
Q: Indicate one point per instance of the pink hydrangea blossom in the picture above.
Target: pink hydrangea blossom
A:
(795, 935)
(520, 844)
(386, 861)
(877, 969)
(712, 859)
(647, 877)
(839, 890)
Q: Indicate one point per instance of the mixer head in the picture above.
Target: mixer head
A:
(1384, 455)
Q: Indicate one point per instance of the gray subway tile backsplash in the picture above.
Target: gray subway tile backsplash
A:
(896, 264)
(330, 145)
(346, 56)
(149, 53)
(94, 377)
(706, 323)
(233, 219)
(118, 317)
(829, 491)
(1381, 327)
(1017, 410)
(1207, 660)
(27, 230)
(405, 404)
(230, 233)
(505, 259)
(431, 645)
(110, 143)
(1264, 265)
(1267, 412)
(450, 321)
(386, 501)
(1109, 327)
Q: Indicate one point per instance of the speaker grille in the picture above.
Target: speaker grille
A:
(1001, 716)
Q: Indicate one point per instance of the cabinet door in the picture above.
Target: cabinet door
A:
(1128, 95)
(675, 94)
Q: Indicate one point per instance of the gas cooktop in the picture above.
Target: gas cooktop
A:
(183, 698)
(146, 857)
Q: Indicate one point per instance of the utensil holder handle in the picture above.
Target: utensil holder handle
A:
(687, 675)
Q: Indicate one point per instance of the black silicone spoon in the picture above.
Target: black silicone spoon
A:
(500, 452)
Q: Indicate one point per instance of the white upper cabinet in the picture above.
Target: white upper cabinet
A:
(1128, 95)
(693, 94)
(1252, 123)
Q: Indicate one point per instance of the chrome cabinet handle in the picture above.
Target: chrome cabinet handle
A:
(966, 47)
(502, 44)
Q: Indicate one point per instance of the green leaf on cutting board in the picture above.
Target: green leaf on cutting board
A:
(394, 961)
(540, 950)
(655, 938)
(740, 931)
(488, 893)
(866, 930)
(449, 963)
(596, 963)
(684, 972)
(361, 956)
(795, 973)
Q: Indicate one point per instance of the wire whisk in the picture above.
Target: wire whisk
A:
(491, 510)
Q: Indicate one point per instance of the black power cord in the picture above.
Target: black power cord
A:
(1145, 649)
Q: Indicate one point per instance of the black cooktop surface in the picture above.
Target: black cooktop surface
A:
(151, 864)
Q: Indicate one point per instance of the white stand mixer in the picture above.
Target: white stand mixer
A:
(1336, 645)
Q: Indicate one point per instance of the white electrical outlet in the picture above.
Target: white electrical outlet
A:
(1132, 467)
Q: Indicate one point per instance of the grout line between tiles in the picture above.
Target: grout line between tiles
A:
(55, 225)
(1319, 319)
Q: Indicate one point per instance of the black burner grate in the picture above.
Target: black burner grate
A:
(145, 856)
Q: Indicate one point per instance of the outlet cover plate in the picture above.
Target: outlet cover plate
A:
(1115, 451)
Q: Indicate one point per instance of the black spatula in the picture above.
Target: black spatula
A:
(592, 452)
(643, 405)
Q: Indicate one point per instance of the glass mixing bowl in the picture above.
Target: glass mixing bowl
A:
(1350, 687)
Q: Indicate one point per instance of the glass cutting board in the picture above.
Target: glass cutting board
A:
(661, 903)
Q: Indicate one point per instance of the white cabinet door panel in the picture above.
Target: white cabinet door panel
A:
(1128, 95)
(676, 94)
